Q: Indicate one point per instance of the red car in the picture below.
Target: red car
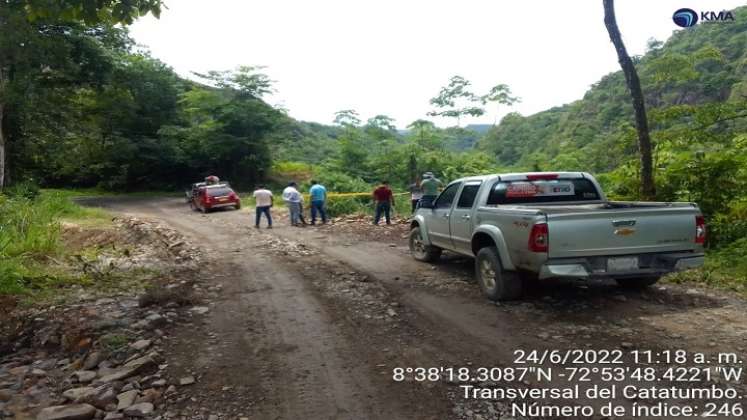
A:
(217, 196)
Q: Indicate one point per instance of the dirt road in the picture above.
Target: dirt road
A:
(313, 321)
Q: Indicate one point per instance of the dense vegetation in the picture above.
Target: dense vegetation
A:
(83, 107)
(31, 245)
(696, 91)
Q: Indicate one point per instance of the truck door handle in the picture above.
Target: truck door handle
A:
(446, 215)
(466, 217)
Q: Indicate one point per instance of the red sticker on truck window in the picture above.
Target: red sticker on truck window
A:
(521, 189)
(539, 189)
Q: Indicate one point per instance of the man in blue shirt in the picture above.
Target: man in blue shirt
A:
(318, 196)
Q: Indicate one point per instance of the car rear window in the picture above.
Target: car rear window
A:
(218, 192)
(542, 191)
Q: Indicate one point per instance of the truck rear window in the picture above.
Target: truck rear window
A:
(542, 191)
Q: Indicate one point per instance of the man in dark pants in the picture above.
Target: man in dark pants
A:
(264, 199)
(384, 200)
(318, 196)
(416, 193)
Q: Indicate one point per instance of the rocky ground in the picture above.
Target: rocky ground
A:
(310, 323)
(98, 353)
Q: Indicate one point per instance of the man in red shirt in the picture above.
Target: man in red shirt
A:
(384, 200)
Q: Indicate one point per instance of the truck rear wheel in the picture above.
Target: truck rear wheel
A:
(496, 283)
(420, 250)
(637, 282)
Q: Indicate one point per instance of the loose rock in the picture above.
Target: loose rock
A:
(79, 394)
(139, 410)
(126, 399)
(140, 345)
(68, 412)
(84, 376)
(130, 368)
(187, 380)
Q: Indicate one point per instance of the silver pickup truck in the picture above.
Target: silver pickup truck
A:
(524, 226)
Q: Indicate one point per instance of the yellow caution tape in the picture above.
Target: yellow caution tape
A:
(351, 194)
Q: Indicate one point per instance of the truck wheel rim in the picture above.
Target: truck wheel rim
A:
(417, 244)
(487, 272)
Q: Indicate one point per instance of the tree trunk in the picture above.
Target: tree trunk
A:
(648, 188)
(413, 169)
(3, 85)
(2, 148)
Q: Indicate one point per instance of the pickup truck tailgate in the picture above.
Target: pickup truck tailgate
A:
(620, 231)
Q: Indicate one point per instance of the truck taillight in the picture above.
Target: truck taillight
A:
(539, 238)
(700, 230)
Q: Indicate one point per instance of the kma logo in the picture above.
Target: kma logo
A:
(688, 17)
(685, 17)
(722, 16)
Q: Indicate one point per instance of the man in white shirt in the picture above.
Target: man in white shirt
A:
(263, 198)
(293, 199)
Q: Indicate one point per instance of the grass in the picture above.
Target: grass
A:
(725, 268)
(30, 240)
(113, 342)
(61, 203)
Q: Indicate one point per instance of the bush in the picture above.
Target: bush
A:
(361, 203)
(26, 233)
(28, 228)
(30, 232)
(341, 182)
(724, 268)
(25, 189)
(282, 172)
(728, 227)
(342, 204)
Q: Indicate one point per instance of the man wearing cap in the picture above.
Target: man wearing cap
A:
(430, 186)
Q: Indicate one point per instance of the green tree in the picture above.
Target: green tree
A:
(91, 12)
(426, 135)
(382, 122)
(245, 79)
(226, 130)
(500, 95)
(456, 100)
(347, 118)
(41, 48)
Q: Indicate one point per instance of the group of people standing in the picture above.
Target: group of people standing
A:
(294, 200)
(420, 192)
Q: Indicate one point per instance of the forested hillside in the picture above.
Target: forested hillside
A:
(696, 82)
(695, 87)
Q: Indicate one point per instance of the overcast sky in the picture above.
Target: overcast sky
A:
(391, 56)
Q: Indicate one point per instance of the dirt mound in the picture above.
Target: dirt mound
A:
(77, 238)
